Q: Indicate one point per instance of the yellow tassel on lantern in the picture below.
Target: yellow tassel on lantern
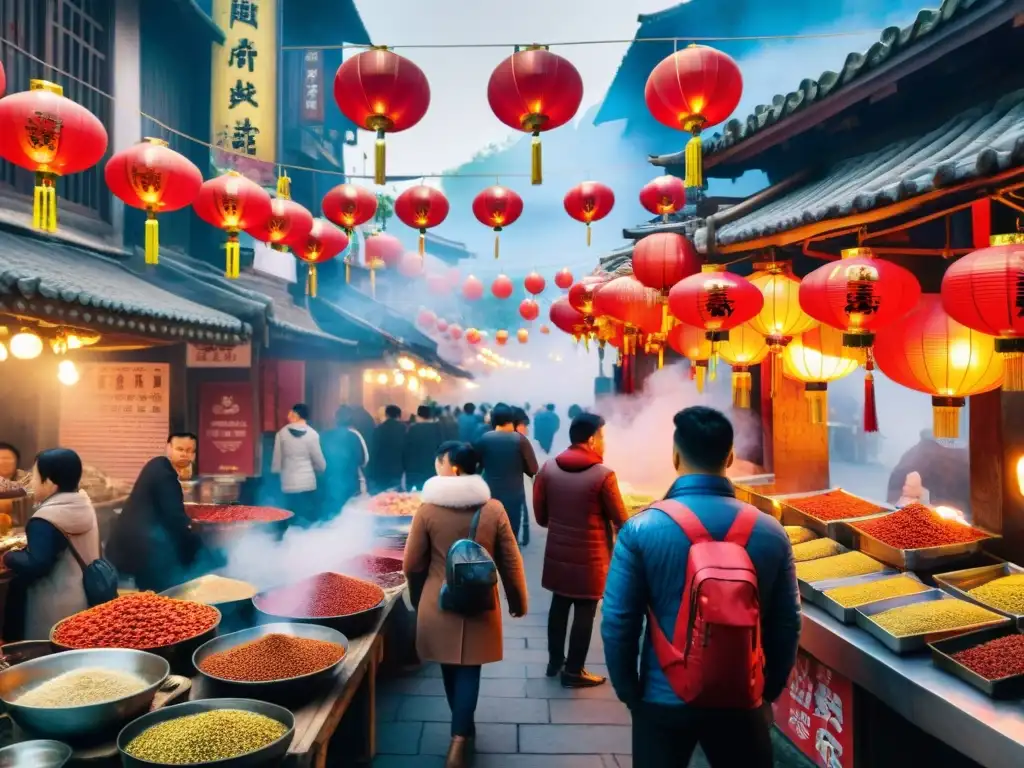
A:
(284, 188)
(536, 161)
(588, 234)
(152, 238)
(373, 283)
(700, 374)
(311, 281)
(693, 178)
(1010, 349)
(348, 272)
(423, 241)
(497, 241)
(742, 384)
(661, 358)
(234, 256)
(946, 417)
(44, 203)
(816, 393)
(380, 156)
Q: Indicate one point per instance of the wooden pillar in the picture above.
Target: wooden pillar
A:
(996, 445)
(799, 448)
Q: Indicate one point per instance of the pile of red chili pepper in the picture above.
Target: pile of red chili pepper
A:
(323, 595)
(274, 657)
(221, 514)
(834, 505)
(383, 571)
(995, 659)
(141, 620)
(915, 526)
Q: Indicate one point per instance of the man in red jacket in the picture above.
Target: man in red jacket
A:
(577, 499)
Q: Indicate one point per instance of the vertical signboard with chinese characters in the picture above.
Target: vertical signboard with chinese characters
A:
(244, 87)
(313, 87)
(117, 416)
(226, 429)
(816, 713)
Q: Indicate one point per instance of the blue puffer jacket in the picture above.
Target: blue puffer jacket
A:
(649, 570)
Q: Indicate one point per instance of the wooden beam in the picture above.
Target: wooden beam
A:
(799, 448)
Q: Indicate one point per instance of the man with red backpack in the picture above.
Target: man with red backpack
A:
(716, 581)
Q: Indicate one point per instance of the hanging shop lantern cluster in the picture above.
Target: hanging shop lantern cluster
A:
(288, 222)
(638, 308)
(660, 261)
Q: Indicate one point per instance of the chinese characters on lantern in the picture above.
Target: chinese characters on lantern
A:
(816, 713)
(718, 303)
(860, 292)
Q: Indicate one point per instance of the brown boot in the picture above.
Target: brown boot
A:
(458, 752)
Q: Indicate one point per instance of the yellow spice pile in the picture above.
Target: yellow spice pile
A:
(813, 550)
(1006, 593)
(838, 567)
(932, 616)
(798, 534)
(855, 595)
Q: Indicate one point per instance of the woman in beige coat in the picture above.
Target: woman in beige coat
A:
(458, 643)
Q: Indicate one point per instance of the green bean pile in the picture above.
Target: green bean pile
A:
(215, 735)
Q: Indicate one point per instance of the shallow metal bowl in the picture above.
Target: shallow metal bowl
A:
(272, 689)
(349, 624)
(268, 755)
(88, 721)
(40, 753)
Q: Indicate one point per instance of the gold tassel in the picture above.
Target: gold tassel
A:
(44, 203)
(817, 402)
(775, 373)
(152, 238)
(945, 421)
(380, 156)
(423, 241)
(284, 187)
(661, 358)
(700, 376)
(742, 383)
(1013, 367)
(348, 272)
(536, 164)
(588, 234)
(694, 176)
(234, 256)
(311, 281)
(497, 242)
(373, 282)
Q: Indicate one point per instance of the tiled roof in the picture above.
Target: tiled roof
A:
(33, 267)
(981, 141)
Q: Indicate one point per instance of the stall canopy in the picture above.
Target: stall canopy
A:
(52, 280)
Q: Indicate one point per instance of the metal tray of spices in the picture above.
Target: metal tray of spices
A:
(807, 587)
(833, 529)
(957, 583)
(912, 643)
(816, 593)
(1011, 687)
(923, 559)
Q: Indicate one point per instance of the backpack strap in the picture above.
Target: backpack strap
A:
(743, 525)
(475, 524)
(685, 519)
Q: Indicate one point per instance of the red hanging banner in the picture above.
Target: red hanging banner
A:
(227, 429)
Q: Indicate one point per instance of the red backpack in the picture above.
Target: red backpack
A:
(714, 658)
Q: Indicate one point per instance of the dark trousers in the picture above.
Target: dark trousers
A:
(583, 613)
(304, 506)
(526, 524)
(462, 689)
(666, 737)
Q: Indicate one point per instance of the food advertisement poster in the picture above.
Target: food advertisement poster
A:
(816, 713)
(226, 429)
(130, 400)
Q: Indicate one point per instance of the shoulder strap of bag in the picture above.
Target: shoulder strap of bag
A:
(475, 524)
(74, 552)
(743, 525)
(683, 517)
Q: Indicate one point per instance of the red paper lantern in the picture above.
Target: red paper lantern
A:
(473, 337)
(588, 202)
(382, 250)
(581, 294)
(502, 287)
(691, 342)
(529, 309)
(715, 300)
(663, 195)
(563, 278)
(426, 319)
(442, 325)
(233, 203)
(567, 319)
(43, 132)
(287, 221)
(631, 303)
(691, 90)
(522, 335)
(500, 338)
(497, 207)
(410, 265)
(545, 329)
(455, 332)
(982, 291)
(534, 90)
(380, 91)
(534, 283)
(422, 207)
(663, 259)
(472, 289)
(322, 243)
(348, 206)
(153, 177)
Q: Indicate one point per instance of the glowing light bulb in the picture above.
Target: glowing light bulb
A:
(382, 379)
(399, 378)
(414, 384)
(67, 373)
(3, 352)
(26, 345)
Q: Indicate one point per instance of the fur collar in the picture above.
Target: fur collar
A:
(459, 492)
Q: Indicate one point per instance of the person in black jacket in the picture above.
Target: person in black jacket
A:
(421, 443)
(387, 447)
(347, 456)
(151, 540)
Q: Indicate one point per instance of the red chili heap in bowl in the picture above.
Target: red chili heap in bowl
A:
(221, 514)
(915, 526)
(141, 620)
(322, 596)
(834, 505)
(996, 659)
(385, 572)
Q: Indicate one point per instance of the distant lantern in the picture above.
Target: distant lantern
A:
(534, 90)
(233, 203)
(500, 338)
(692, 343)
(410, 265)
(383, 251)
(422, 207)
(472, 289)
(691, 90)
(522, 335)
(154, 178)
(473, 337)
(817, 357)
(588, 202)
(744, 349)
(497, 207)
(529, 309)
(287, 221)
(323, 242)
(544, 329)
(349, 206)
(426, 319)
(502, 287)
(455, 332)
(563, 278)
(380, 91)
(534, 283)
(664, 196)
(439, 285)
(441, 325)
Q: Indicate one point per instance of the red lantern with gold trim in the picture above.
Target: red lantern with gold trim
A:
(638, 308)
(567, 319)
(522, 335)
(534, 90)
(323, 243)
(349, 206)
(472, 289)
(715, 300)
(563, 279)
(581, 294)
(288, 221)
(502, 287)
(501, 338)
(663, 259)
(534, 283)
(529, 310)
(233, 203)
(663, 196)
(154, 178)
(588, 202)
(380, 91)
(497, 207)
(50, 135)
(422, 207)
(691, 90)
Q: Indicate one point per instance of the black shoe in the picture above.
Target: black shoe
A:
(582, 679)
(553, 669)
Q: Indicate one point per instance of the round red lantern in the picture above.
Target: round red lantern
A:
(497, 207)
(663, 259)
(287, 221)
(500, 338)
(567, 319)
(692, 343)
(422, 207)
(581, 294)
(410, 265)
(153, 177)
(442, 325)
(348, 206)
(322, 243)
(563, 279)
(382, 250)
(426, 319)
(534, 283)
(588, 202)
(715, 300)
(691, 90)
(982, 291)
(534, 90)
(663, 195)
(472, 289)
(380, 91)
(455, 332)
(522, 335)
(233, 203)
(529, 309)
(43, 132)
(502, 287)
(473, 337)
(545, 329)
(631, 303)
